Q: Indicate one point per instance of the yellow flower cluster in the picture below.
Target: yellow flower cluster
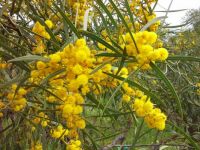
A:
(79, 7)
(2, 105)
(61, 80)
(16, 98)
(75, 81)
(41, 119)
(41, 32)
(144, 107)
(152, 116)
(59, 132)
(155, 25)
(143, 45)
(74, 145)
(49, 2)
(181, 41)
(128, 93)
(3, 65)
(141, 9)
(71, 111)
(143, 49)
(69, 86)
(37, 146)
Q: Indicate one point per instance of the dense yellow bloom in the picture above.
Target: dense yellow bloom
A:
(54, 58)
(80, 124)
(82, 79)
(17, 101)
(40, 30)
(67, 110)
(41, 65)
(41, 119)
(153, 116)
(49, 23)
(1, 114)
(40, 48)
(37, 146)
(59, 132)
(163, 53)
(143, 49)
(126, 98)
(73, 72)
(74, 145)
(77, 69)
(156, 119)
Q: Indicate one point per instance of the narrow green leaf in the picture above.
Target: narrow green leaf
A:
(176, 26)
(91, 126)
(22, 65)
(104, 7)
(13, 42)
(109, 55)
(100, 66)
(113, 114)
(143, 89)
(91, 139)
(170, 86)
(53, 38)
(108, 136)
(71, 25)
(130, 13)
(96, 102)
(12, 81)
(119, 14)
(188, 137)
(45, 89)
(29, 58)
(146, 26)
(105, 23)
(184, 58)
(53, 75)
(122, 62)
(169, 11)
(98, 39)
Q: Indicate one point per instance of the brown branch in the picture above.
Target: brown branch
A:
(12, 8)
